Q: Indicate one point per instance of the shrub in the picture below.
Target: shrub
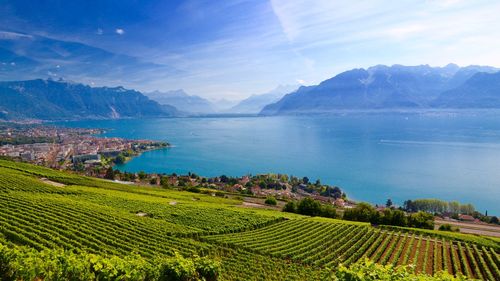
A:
(309, 207)
(448, 227)
(193, 189)
(290, 207)
(271, 201)
(328, 211)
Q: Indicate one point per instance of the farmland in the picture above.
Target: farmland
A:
(85, 216)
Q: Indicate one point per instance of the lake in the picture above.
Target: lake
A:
(372, 157)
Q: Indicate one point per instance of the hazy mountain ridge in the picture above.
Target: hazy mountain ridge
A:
(378, 87)
(49, 100)
(482, 90)
(182, 101)
(255, 103)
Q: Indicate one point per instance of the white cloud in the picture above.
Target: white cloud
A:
(301, 81)
(7, 35)
(120, 31)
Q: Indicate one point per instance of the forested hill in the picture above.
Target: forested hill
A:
(52, 100)
(396, 87)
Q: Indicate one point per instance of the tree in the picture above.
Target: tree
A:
(309, 207)
(328, 211)
(421, 220)
(142, 175)
(164, 181)
(271, 201)
(305, 180)
(110, 174)
(120, 159)
(224, 178)
(152, 181)
(494, 220)
(290, 207)
(388, 204)
(362, 212)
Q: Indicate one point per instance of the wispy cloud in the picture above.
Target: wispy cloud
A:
(238, 48)
(7, 35)
(340, 34)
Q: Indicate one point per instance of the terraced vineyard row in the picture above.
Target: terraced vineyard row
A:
(245, 265)
(114, 220)
(209, 217)
(46, 222)
(326, 244)
(106, 221)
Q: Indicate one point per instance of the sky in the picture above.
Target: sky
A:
(233, 49)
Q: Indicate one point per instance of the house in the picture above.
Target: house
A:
(339, 202)
(244, 180)
(466, 217)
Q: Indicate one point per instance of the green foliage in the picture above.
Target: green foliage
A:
(367, 270)
(183, 269)
(290, 207)
(20, 263)
(310, 207)
(120, 159)
(448, 227)
(421, 220)
(362, 212)
(271, 201)
(112, 231)
(366, 213)
(438, 206)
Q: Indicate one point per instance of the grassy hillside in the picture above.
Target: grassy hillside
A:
(47, 215)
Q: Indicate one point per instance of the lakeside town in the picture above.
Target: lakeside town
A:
(68, 148)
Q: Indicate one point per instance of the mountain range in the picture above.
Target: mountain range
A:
(51, 100)
(255, 103)
(182, 101)
(396, 87)
(379, 87)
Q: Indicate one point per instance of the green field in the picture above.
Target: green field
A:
(89, 216)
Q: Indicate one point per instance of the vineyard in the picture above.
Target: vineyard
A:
(84, 216)
(328, 243)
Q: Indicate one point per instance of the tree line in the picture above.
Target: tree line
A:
(364, 212)
(438, 206)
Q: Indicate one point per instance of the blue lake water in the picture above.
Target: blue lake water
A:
(371, 157)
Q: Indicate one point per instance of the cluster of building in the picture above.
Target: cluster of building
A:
(63, 147)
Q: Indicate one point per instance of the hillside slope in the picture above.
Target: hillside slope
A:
(480, 91)
(111, 219)
(47, 99)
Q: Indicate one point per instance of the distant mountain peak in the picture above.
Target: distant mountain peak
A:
(183, 101)
(255, 103)
(49, 100)
(384, 87)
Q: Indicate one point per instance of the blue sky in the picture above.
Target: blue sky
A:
(232, 49)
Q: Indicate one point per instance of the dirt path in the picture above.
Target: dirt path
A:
(53, 183)
(473, 228)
